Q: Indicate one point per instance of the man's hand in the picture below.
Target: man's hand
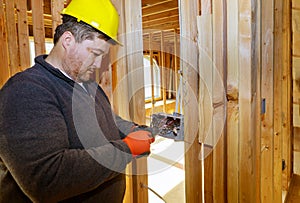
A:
(139, 142)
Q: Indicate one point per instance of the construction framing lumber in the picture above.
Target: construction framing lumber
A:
(4, 54)
(38, 27)
(189, 65)
(23, 35)
(13, 48)
(248, 119)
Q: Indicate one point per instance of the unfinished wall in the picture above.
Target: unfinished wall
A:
(243, 43)
(296, 61)
(247, 45)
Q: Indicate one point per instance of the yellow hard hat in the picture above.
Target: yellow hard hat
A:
(100, 14)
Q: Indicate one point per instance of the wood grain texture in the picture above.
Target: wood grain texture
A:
(38, 27)
(4, 68)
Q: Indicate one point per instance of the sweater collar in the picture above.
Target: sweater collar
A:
(55, 71)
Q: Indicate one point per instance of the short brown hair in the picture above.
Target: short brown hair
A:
(80, 30)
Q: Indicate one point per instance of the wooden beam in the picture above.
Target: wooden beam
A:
(165, 26)
(161, 21)
(233, 103)
(287, 149)
(247, 101)
(162, 14)
(278, 110)
(152, 2)
(268, 102)
(23, 35)
(205, 44)
(188, 64)
(163, 70)
(157, 8)
(134, 55)
(38, 27)
(4, 70)
(56, 8)
(13, 49)
(219, 70)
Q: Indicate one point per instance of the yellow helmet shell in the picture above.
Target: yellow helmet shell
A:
(100, 14)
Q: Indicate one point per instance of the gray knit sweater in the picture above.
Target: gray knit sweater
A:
(58, 141)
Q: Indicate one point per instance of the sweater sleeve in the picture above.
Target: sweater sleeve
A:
(35, 148)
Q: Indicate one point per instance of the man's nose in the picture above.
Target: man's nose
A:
(98, 62)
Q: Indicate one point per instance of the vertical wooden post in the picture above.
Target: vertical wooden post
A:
(120, 98)
(38, 27)
(23, 35)
(218, 99)
(4, 69)
(278, 67)
(287, 96)
(189, 10)
(152, 72)
(267, 102)
(13, 49)
(163, 69)
(206, 138)
(247, 100)
(134, 55)
(175, 63)
(56, 8)
(233, 138)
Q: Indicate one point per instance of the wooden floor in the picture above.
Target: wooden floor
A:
(294, 192)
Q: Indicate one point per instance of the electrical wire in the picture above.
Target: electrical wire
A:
(146, 186)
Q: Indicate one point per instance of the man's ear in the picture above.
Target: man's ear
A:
(68, 39)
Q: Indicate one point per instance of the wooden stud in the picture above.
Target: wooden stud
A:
(134, 55)
(287, 96)
(257, 62)
(120, 98)
(188, 63)
(119, 67)
(56, 8)
(13, 49)
(152, 74)
(233, 103)
(278, 67)
(38, 27)
(4, 69)
(205, 101)
(175, 62)
(23, 36)
(267, 97)
(247, 102)
(163, 70)
(218, 99)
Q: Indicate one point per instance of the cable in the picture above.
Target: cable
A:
(146, 186)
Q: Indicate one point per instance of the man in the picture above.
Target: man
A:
(59, 139)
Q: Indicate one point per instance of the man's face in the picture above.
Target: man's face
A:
(82, 59)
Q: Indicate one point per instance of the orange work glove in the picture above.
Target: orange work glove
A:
(139, 142)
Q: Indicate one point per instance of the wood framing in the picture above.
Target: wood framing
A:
(267, 96)
(240, 64)
(4, 54)
(189, 65)
(38, 27)
(12, 37)
(23, 35)
(232, 93)
(248, 118)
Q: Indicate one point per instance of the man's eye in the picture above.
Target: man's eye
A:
(96, 54)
